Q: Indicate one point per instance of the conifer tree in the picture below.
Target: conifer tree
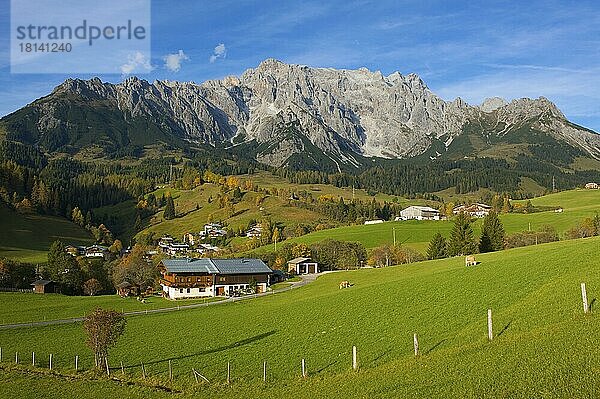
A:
(462, 241)
(169, 208)
(492, 234)
(438, 247)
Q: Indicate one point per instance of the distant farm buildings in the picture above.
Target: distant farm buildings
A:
(93, 251)
(178, 249)
(475, 210)
(592, 186)
(303, 266)
(206, 277)
(376, 221)
(419, 213)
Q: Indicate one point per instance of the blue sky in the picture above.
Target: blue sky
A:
(470, 49)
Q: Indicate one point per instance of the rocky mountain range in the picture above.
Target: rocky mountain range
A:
(293, 113)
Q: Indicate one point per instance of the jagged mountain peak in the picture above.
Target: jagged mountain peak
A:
(291, 110)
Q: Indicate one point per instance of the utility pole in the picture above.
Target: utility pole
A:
(394, 232)
(553, 184)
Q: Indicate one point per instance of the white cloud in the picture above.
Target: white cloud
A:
(173, 61)
(219, 52)
(136, 62)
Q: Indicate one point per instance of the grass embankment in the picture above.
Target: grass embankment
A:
(26, 238)
(543, 346)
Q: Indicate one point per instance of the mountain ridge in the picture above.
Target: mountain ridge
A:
(291, 112)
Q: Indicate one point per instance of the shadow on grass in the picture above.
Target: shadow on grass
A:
(326, 367)
(504, 329)
(592, 304)
(206, 352)
(374, 361)
(435, 346)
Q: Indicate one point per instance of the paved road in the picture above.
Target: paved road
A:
(305, 280)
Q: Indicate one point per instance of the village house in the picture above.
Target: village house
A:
(207, 277)
(74, 251)
(177, 249)
(303, 266)
(592, 186)
(165, 241)
(206, 249)
(419, 213)
(211, 231)
(254, 231)
(96, 251)
(475, 210)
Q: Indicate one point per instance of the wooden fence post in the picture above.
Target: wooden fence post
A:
(122, 368)
(264, 371)
(107, 368)
(17, 357)
(490, 330)
(76, 363)
(51, 361)
(584, 298)
(170, 372)
(303, 369)
(33, 359)
(354, 360)
(0, 354)
(228, 373)
(416, 344)
(143, 371)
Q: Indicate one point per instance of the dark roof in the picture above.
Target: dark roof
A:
(42, 282)
(299, 260)
(216, 266)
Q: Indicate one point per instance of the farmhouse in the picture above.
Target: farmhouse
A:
(475, 210)
(419, 213)
(592, 186)
(207, 277)
(44, 287)
(96, 251)
(303, 266)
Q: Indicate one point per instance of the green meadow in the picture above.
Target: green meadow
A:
(543, 346)
(26, 238)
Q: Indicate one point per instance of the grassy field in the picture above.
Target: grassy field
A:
(543, 344)
(30, 307)
(416, 234)
(26, 238)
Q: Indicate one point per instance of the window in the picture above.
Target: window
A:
(188, 290)
(201, 289)
(181, 290)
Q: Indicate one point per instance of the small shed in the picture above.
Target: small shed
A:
(44, 286)
(303, 266)
(127, 289)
